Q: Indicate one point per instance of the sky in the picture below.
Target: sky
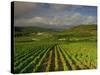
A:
(53, 15)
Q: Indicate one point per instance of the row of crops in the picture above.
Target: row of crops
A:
(53, 57)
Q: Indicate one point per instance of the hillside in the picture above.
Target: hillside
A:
(82, 30)
(76, 33)
(32, 29)
(26, 31)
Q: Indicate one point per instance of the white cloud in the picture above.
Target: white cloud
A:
(90, 19)
(77, 18)
(69, 19)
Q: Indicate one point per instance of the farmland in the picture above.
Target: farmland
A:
(46, 50)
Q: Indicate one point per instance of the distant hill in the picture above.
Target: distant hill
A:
(82, 30)
(26, 31)
(79, 30)
(32, 29)
(75, 33)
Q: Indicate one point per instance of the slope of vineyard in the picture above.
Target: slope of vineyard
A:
(72, 49)
(56, 57)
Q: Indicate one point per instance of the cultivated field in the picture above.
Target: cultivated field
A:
(46, 51)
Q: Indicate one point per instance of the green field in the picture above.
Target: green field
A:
(46, 50)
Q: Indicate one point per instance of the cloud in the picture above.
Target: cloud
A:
(37, 14)
(59, 7)
(31, 21)
(77, 18)
(23, 8)
(91, 20)
(69, 19)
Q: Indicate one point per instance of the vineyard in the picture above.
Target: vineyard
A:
(47, 50)
(54, 57)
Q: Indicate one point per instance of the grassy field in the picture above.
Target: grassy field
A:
(46, 50)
